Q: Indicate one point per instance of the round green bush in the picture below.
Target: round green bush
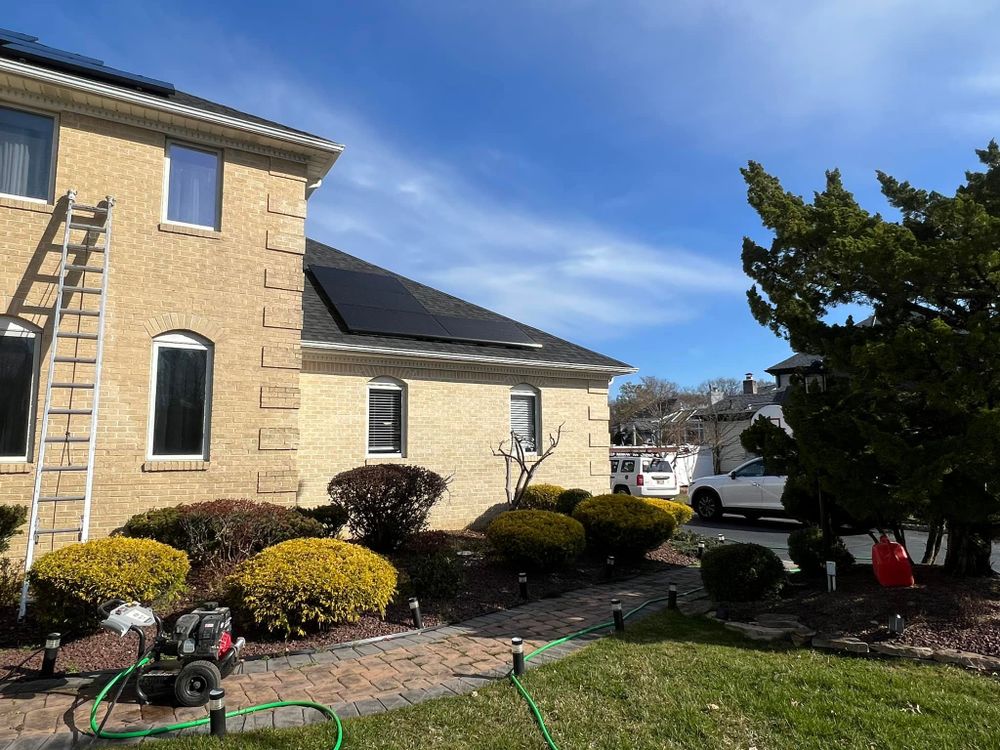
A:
(332, 517)
(622, 525)
(681, 512)
(69, 583)
(569, 499)
(540, 497)
(440, 575)
(305, 585)
(536, 539)
(741, 573)
(805, 547)
(160, 524)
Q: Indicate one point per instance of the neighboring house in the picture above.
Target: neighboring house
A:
(211, 384)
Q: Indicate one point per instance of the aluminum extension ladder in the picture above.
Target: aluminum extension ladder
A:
(64, 467)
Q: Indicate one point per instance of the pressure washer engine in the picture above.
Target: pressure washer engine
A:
(200, 649)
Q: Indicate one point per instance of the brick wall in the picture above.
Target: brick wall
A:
(454, 414)
(238, 287)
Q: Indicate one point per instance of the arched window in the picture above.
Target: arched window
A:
(19, 347)
(386, 417)
(181, 404)
(525, 415)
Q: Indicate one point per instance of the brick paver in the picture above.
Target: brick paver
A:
(354, 679)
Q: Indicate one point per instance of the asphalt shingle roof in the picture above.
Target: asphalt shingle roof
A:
(321, 325)
(797, 362)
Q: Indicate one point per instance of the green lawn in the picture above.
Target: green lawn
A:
(676, 682)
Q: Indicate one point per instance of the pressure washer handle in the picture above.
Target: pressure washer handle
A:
(110, 605)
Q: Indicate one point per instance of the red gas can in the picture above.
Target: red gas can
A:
(891, 563)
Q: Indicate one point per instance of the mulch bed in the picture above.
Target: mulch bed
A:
(489, 586)
(940, 611)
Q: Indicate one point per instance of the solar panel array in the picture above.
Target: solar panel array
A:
(380, 304)
(17, 46)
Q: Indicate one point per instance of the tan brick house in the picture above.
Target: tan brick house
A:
(224, 371)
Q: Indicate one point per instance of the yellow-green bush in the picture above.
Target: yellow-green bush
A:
(622, 525)
(304, 585)
(540, 497)
(682, 513)
(536, 539)
(70, 582)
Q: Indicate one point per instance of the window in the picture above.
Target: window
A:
(18, 376)
(192, 186)
(657, 465)
(614, 466)
(752, 469)
(524, 416)
(386, 417)
(182, 394)
(628, 466)
(26, 141)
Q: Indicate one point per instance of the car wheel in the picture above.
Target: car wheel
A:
(707, 506)
(621, 489)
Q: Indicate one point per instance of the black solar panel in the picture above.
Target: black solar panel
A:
(381, 304)
(19, 46)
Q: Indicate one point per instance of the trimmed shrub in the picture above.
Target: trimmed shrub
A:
(386, 503)
(332, 517)
(540, 497)
(805, 547)
(70, 582)
(12, 517)
(225, 530)
(305, 585)
(437, 576)
(569, 499)
(11, 578)
(682, 513)
(741, 573)
(536, 539)
(622, 525)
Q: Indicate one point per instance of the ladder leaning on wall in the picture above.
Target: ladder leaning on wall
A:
(64, 467)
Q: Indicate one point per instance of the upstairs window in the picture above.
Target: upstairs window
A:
(386, 417)
(26, 154)
(18, 376)
(181, 403)
(193, 186)
(524, 416)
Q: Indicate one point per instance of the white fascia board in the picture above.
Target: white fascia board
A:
(471, 358)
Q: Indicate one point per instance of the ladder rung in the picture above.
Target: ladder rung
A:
(86, 386)
(64, 468)
(74, 530)
(85, 269)
(78, 360)
(77, 247)
(84, 207)
(87, 227)
(68, 438)
(60, 411)
(74, 335)
(61, 498)
(83, 289)
(84, 313)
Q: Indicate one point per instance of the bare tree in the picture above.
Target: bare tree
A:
(513, 455)
(650, 398)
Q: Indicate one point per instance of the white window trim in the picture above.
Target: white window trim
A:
(524, 389)
(54, 116)
(179, 340)
(19, 329)
(166, 185)
(387, 384)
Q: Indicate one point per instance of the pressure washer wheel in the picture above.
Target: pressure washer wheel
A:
(194, 682)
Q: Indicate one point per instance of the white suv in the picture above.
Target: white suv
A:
(748, 490)
(645, 476)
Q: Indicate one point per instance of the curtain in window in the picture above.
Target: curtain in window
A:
(385, 420)
(193, 192)
(17, 364)
(522, 421)
(179, 417)
(25, 153)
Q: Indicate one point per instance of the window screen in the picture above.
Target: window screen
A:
(385, 420)
(17, 367)
(193, 186)
(522, 421)
(180, 401)
(25, 153)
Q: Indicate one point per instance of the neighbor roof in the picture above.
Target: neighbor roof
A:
(321, 327)
(797, 363)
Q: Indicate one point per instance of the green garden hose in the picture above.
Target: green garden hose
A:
(535, 711)
(124, 675)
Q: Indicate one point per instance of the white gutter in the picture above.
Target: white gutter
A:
(138, 98)
(475, 358)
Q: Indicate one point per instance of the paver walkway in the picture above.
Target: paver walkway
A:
(353, 679)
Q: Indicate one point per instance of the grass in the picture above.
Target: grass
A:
(676, 682)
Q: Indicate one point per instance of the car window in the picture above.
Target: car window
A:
(657, 465)
(628, 466)
(752, 469)
(614, 466)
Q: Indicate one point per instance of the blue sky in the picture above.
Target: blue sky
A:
(574, 164)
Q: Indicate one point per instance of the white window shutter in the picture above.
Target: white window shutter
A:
(385, 420)
(522, 421)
